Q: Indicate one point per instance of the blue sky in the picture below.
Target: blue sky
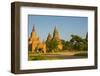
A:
(66, 25)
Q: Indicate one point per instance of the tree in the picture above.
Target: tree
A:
(87, 36)
(78, 43)
(52, 45)
(66, 45)
(30, 47)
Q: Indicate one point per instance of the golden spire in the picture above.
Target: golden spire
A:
(55, 34)
(55, 30)
(33, 28)
(49, 37)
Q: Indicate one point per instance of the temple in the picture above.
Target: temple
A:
(35, 45)
(57, 38)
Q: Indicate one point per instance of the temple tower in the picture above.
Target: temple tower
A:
(49, 37)
(57, 38)
(34, 42)
(56, 34)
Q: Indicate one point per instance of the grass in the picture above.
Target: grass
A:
(42, 56)
(81, 54)
(39, 57)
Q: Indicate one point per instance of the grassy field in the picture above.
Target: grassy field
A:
(57, 55)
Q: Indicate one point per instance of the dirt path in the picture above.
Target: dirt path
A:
(64, 56)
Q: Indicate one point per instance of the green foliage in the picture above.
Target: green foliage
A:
(66, 45)
(75, 43)
(30, 47)
(52, 45)
(39, 57)
(78, 43)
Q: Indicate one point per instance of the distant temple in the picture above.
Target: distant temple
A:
(55, 37)
(35, 45)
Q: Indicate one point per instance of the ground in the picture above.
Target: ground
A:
(57, 55)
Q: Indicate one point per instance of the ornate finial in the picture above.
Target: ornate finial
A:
(33, 28)
(49, 34)
(55, 30)
(49, 37)
(56, 34)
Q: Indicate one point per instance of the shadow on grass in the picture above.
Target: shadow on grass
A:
(81, 54)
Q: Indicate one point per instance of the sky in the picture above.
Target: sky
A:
(66, 25)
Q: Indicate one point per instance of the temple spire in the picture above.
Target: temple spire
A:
(33, 28)
(55, 30)
(49, 37)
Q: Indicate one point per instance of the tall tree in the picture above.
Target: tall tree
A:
(52, 45)
(78, 43)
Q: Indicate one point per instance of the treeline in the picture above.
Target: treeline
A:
(76, 43)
